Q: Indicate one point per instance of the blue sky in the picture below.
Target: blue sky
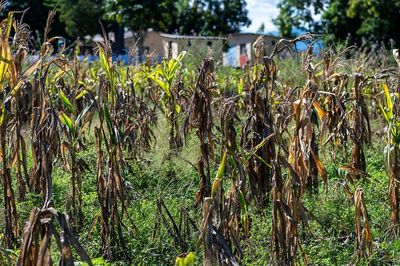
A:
(262, 11)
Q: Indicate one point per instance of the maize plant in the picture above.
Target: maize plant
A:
(11, 219)
(360, 128)
(363, 227)
(219, 230)
(69, 148)
(110, 181)
(165, 75)
(12, 79)
(37, 239)
(392, 156)
(259, 126)
(199, 116)
(44, 125)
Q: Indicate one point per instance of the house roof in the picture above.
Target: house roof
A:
(190, 37)
(129, 34)
(254, 34)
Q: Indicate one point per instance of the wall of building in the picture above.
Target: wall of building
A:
(198, 48)
(242, 45)
(152, 43)
(171, 48)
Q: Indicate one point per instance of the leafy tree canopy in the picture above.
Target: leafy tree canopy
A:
(81, 17)
(358, 21)
(36, 15)
(208, 17)
(261, 29)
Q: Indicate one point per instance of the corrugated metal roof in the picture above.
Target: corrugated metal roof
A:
(190, 37)
(254, 34)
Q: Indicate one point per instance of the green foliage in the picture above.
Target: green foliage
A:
(81, 17)
(261, 29)
(66, 101)
(65, 120)
(96, 262)
(207, 17)
(298, 14)
(222, 17)
(187, 260)
(356, 21)
(164, 75)
(218, 176)
(141, 15)
(36, 15)
(389, 117)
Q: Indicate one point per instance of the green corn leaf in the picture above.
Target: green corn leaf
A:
(81, 94)
(218, 177)
(104, 62)
(65, 101)
(181, 56)
(65, 120)
(385, 116)
(263, 142)
(3, 116)
(172, 67)
(9, 23)
(242, 202)
(174, 64)
(177, 108)
(188, 260)
(164, 86)
(240, 87)
(164, 107)
(107, 117)
(221, 168)
(388, 102)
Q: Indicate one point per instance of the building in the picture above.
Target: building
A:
(240, 50)
(162, 45)
(235, 50)
(198, 46)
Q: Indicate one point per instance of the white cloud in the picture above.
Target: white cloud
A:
(261, 11)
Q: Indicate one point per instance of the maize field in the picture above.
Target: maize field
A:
(289, 161)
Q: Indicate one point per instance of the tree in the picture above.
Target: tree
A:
(73, 18)
(298, 14)
(209, 17)
(225, 16)
(191, 17)
(261, 29)
(81, 17)
(356, 21)
(36, 16)
(205, 17)
(140, 15)
(369, 22)
(338, 26)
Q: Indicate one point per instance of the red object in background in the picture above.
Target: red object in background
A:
(243, 60)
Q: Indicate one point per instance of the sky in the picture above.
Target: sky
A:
(262, 11)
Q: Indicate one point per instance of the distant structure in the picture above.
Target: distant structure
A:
(163, 45)
(235, 50)
(240, 48)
